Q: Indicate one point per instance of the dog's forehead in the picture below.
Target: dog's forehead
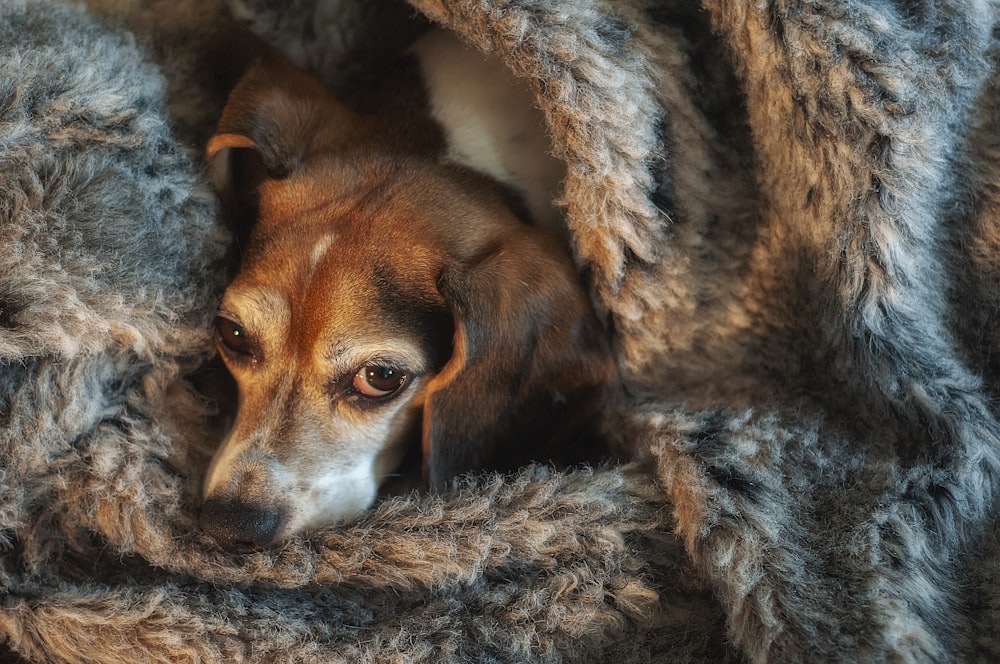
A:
(340, 289)
(375, 292)
(373, 200)
(344, 191)
(360, 229)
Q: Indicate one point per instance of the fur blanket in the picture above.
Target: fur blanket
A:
(788, 213)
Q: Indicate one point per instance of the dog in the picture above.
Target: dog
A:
(389, 296)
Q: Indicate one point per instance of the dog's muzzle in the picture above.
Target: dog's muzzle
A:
(241, 527)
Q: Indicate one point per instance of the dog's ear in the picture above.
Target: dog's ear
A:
(274, 117)
(529, 369)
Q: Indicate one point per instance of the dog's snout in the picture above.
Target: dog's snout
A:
(239, 526)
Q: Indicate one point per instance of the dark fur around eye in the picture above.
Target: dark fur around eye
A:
(234, 341)
(378, 381)
(372, 384)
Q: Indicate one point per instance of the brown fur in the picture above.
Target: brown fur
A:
(361, 243)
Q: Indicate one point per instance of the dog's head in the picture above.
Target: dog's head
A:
(383, 300)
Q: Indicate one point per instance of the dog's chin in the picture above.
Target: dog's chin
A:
(336, 499)
(339, 515)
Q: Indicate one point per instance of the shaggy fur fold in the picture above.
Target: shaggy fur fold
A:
(787, 214)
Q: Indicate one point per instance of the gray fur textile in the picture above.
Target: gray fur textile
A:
(788, 216)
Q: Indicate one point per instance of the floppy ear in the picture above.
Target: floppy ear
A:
(275, 116)
(529, 369)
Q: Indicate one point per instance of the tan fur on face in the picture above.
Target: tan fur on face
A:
(308, 297)
(368, 248)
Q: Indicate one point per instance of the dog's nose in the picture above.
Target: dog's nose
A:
(239, 526)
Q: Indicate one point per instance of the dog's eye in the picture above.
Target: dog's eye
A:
(377, 381)
(232, 336)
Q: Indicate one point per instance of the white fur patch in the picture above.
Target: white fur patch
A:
(319, 250)
(490, 122)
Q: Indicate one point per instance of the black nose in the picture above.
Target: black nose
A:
(239, 526)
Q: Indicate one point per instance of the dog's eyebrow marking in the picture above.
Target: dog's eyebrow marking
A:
(335, 352)
(347, 356)
(257, 302)
(261, 310)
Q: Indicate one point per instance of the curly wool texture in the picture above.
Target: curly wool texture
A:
(109, 244)
(83, 148)
(787, 214)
